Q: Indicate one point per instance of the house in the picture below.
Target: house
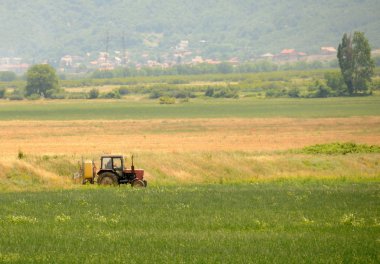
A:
(290, 55)
(328, 51)
(267, 56)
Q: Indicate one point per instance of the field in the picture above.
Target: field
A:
(228, 181)
(282, 222)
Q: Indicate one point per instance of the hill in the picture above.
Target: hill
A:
(41, 29)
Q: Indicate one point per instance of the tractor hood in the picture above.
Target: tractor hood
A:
(139, 173)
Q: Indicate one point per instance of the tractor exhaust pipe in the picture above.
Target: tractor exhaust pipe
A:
(133, 166)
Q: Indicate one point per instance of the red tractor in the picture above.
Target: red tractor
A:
(113, 172)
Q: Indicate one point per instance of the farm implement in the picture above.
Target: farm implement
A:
(112, 172)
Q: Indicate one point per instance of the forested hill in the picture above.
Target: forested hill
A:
(223, 28)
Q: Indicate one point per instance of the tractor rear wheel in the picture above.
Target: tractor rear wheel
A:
(138, 183)
(107, 179)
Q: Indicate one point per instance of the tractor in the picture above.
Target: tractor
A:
(112, 172)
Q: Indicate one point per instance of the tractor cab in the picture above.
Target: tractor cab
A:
(113, 163)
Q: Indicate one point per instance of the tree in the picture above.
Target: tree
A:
(356, 65)
(41, 80)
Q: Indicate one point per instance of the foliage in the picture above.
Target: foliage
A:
(357, 67)
(93, 94)
(341, 148)
(223, 92)
(112, 95)
(336, 83)
(167, 100)
(34, 97)
(42, 80)
(2, 92)
(7, 76)
(294, 93)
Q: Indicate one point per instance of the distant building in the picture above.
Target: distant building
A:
(290, 55)
(13, 64)
(267, 56)
(328, 51)
(197, 60)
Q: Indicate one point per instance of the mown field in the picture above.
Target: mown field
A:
(228, 181)
(135, 108)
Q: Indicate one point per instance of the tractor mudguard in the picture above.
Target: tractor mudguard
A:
(102, 171)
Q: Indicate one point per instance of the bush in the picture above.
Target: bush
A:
(167, 100)
(20, 155)
(209, 92)
(93, 93)
(34, 97)
(182, 94)
(2, 92)
(226, 92)
(336, 83)
(17, 95)
(76, 96)
(123, 90)
(156, 94)
(341, 148)
(294, 93)
(112, 95)
(323, 91)
(59, 96)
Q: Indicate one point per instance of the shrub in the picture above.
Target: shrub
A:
(2, 92)
(16, 97)
(226, 92)
(93, 93)
(209, 92)
(77, 96)
(319, 90)
(156, 94)
(183, 94)
(294, 93)
(112, 95)
(20, 155)
(341, 148)
(167, 100)
(34, 97)
(123, 90)
(336, 83)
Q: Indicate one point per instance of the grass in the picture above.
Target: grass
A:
(196, 108)
(277, 222)
(341, 148)
(36, 173)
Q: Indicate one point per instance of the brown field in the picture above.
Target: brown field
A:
(170, 151)
(183, 135)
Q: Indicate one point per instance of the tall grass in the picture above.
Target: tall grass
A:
(183, 169)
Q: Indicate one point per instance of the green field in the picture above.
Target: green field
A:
(277, 222)
(197, 108)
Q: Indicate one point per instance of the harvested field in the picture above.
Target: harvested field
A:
(182, 135)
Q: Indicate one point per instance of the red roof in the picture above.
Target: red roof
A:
(288, 51)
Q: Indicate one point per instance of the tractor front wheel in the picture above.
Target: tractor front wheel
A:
(107, 179)
(138, 183)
